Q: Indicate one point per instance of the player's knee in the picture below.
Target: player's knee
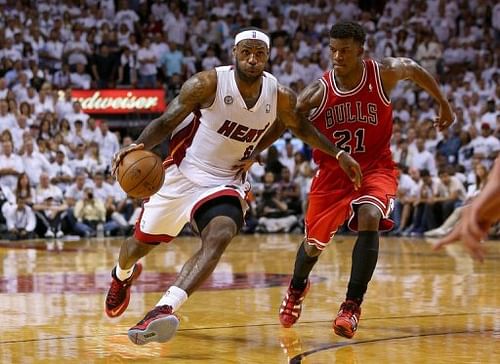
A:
(311, 250)
(368, 217)
(218, 236)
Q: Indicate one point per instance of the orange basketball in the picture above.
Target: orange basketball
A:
(140, 173)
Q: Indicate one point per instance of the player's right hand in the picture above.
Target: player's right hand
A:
(117, 158)
(351, 168)
(446, 116)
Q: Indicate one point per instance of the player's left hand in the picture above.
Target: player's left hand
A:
(446, 116)
(351, 168)
(244, 165)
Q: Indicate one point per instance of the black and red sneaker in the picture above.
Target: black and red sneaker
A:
(118, 295)
(159, 325)
(291, 307)
(346, 322)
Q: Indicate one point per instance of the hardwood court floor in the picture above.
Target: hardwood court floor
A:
(422, 307)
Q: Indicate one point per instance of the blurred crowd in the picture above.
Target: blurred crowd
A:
(55, 158)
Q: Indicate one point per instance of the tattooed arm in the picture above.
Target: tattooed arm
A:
(294, 116)
(196, 93)
(393, 70)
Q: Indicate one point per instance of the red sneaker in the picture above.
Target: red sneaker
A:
(119, 292)
(159, 325)
(346, 322)
(291, 307)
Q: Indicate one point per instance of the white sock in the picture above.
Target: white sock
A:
(123, 274)
(174, 297)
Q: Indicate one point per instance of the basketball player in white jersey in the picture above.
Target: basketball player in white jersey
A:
(214, 124)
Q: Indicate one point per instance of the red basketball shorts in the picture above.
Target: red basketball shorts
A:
(333, 200)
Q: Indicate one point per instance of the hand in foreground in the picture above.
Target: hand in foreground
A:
(470, 231)
(117, 158)
(351, 168)
(445, 118)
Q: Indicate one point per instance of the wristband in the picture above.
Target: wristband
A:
(337, 156)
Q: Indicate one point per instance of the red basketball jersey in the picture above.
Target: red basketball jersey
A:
(358, 121)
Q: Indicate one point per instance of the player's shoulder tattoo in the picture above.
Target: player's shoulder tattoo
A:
(287, 95)
(312, 94)
(200, 86)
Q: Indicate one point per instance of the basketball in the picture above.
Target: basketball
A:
(140, 173)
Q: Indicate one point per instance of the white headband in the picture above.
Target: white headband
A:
(252, 34)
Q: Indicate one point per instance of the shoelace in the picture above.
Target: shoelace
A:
(350, 307)
(114, 292)
(293, 296)
(157, 310)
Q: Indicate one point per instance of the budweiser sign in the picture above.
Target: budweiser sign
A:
(119, 101)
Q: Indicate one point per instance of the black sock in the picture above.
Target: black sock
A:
(364, 260)
(303, 266)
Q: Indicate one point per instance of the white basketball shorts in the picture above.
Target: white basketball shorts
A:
(165, 213)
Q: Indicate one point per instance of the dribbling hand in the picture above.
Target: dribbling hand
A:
(117, 158)
(351, 168)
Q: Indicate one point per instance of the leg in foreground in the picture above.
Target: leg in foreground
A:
(124, 274)
(364, 260)
(218, 225)
(291, 306)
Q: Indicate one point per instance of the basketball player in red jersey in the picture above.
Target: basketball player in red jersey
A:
(216, 120)
(350, 105)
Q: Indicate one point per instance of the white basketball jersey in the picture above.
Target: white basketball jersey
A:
(210, 142)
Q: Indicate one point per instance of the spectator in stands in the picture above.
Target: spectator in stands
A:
(406, 198)
(273, 213)
(172, 62)
(108, 144)
(430, 189)
(61, 174)
(34, 163)
(62, 78)
(24, 189)
(486, 146)
(11, 165)
(49, 208)
(146, 59)
(273, 164)
(76, 114)
(21, 221)
(422, 158)
(51, 55)
(80, 78)
(443, 206)
(104, 68)
(481, 174)
(289, 191)
(127, 70)
(7, 119)
(90, 213)
(98, 165)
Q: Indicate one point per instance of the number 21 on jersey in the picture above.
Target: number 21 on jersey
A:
(343, 140)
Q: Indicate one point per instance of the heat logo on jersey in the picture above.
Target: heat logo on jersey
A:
(241, 133)
(345, 112)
